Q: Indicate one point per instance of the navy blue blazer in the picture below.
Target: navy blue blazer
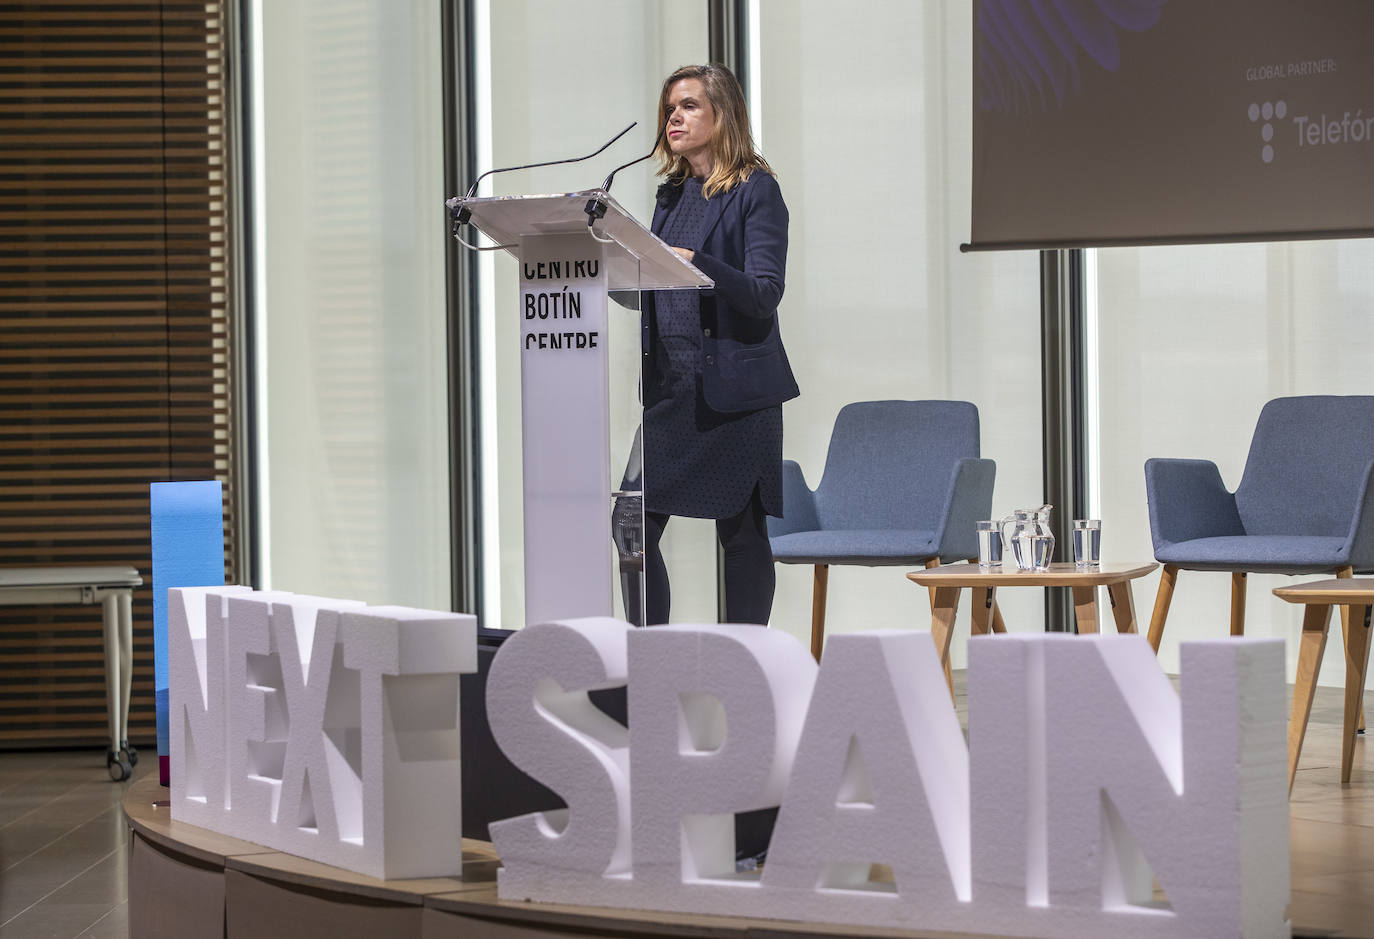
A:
(743, 248)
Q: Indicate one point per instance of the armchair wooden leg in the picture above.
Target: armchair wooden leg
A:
(1238, 603)
(1343, 573)
(1315, 621)
(1167, 578)
(818, 609)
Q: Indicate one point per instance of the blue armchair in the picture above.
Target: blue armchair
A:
(1304, 504)
(903, 485)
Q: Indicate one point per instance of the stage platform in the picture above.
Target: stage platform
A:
(186, 881)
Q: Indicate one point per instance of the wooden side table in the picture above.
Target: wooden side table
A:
(945, 583)
(1318, 598)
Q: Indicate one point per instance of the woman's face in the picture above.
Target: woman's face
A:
(691, 119)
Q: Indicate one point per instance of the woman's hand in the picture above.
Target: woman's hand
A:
(687, 253)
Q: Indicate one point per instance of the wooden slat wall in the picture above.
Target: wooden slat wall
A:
(115, 355)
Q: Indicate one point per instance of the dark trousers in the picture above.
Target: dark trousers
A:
(749, 574)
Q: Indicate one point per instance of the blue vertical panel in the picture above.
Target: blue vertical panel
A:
(188, 551)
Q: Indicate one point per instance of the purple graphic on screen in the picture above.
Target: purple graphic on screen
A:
(1028, 50)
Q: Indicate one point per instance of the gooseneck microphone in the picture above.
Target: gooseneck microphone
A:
(462, 214)
(596, 207)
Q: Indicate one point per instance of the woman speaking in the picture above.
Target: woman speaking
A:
(715, 373)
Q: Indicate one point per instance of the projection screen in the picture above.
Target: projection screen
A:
(1120, 122)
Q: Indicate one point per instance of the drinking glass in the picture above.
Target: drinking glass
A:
(1087, 543)
(989, 545)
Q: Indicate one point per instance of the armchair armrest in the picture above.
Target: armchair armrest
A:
(1362, 526)
(798, 503)
(1188, 500)
(968, 499)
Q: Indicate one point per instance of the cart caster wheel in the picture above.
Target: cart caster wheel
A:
(129, 751)
(119, 767)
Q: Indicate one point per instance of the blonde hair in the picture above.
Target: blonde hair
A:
(732, 142)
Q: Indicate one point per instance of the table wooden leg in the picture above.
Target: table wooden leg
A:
(1315, 621)
(1085, 610)
(1167, 578)
(1343, 573)
(1356, 668)
(984, 606)
(1346, 630)
(998, 626)
(942, 626)
(949, 671)
(1123, 606)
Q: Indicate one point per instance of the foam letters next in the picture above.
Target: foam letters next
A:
(323, 728)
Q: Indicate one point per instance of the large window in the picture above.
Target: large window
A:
(1193, 341)
(866, 119)
(351, 304)
(872, 149)
(559, 80)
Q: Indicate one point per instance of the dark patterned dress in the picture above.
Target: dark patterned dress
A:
(698, 462)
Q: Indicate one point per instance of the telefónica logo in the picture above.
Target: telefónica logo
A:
(1269, 111)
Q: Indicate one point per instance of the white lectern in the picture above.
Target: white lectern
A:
(566, 270)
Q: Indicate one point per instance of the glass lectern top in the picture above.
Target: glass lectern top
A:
(635, 257)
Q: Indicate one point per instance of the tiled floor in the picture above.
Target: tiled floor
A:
(63, 845)
(63, 841)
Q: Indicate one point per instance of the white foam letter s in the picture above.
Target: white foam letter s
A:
(542, 720)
